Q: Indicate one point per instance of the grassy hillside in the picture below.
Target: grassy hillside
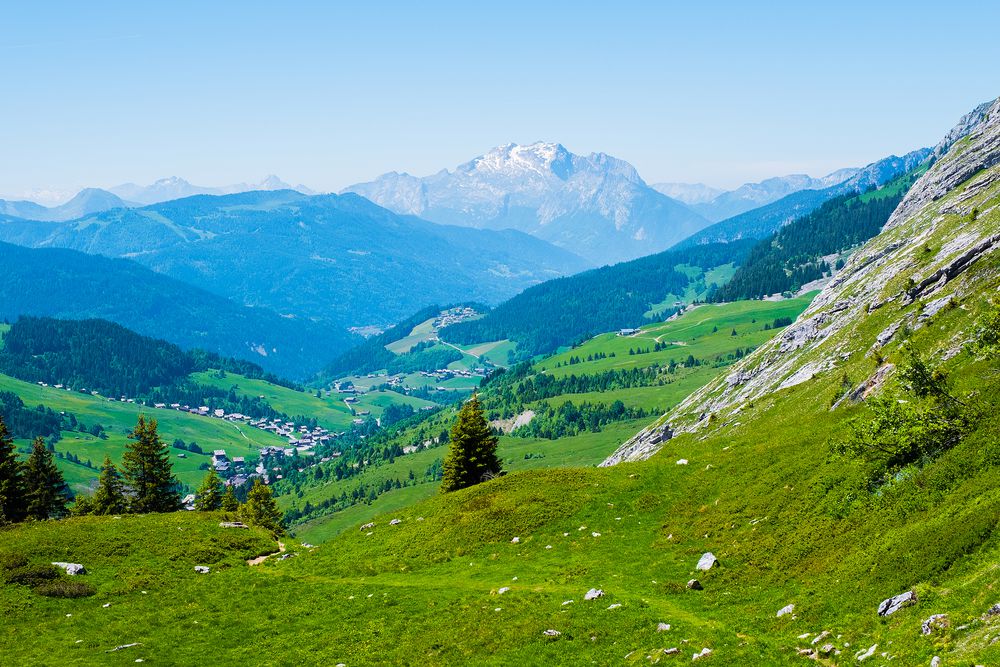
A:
(392, 480)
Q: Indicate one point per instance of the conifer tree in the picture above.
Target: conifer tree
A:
(209, 495)
(472, 455)
(261, 510)
(12, 501)
(229, 502)
(45, 489)
(147, 471)
(110, 495)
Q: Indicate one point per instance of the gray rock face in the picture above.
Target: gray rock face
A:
(707, 562)
(202, 569)
(895, 603)
(71, 568)
(833, 327)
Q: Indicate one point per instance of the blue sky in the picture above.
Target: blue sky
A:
(328, 94)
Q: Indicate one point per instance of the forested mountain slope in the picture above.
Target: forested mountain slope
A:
(60, 283)
(565, 310)
(336, 259)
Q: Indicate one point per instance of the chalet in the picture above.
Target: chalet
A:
(219, 413)
(628, 332)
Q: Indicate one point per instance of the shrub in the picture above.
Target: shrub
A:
(33, 575)
(11, 561)
(65, 587)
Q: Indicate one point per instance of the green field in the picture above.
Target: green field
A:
(119, 418)
(703, 332)
(581, 450)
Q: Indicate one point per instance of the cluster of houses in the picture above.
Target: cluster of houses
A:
(454, 316)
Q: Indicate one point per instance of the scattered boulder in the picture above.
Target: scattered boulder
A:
(662, 627)
(593, 594)
(864, 655)
(502, 590)
(705, 652)
(367, 526)
(673, 650)
(551, 633)
(934, 623)
(787, 609)
(72, 568)
(614, 606)
(682, 462)
(826, 649)
(707, 562)
(897, 602)
(233, 524)
(515, 540)
(994, 610)
(936, 661)
(695, 585)
(202, 569)
(820, 637)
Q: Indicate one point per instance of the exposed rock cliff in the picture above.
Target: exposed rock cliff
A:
(916, 267)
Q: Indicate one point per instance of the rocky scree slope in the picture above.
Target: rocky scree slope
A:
(916, 267)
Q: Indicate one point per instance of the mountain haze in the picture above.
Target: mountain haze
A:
(596, 206)
(175, 187)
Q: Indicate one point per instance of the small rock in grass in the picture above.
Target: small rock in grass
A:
(705, 652)
(515, 540)
(707, 561)
(548, 546)
(787, 609)
(804, 635)
(395, 522)
(673, 650)
(820, 637)
(71, 568)
(614, 606)
(551, 633)
(593, 594)
(695, 585)
(567, 602)
(106, 605)
(595, 534)
(366, 526)
(864, 655)
(807, 653)
(682, 462)
(202, 569)
(897, 602)
(826, 649)
(994, 610)
(936, 661)
(662, 627)
(935, 622)
(503, 590)
(233, 524)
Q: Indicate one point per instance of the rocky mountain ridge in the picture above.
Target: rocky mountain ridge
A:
(914, 269)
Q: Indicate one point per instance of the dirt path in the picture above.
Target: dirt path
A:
(260, 559)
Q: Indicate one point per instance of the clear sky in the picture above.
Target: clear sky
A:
(328, 93)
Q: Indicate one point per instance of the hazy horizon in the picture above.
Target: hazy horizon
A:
(328, 96)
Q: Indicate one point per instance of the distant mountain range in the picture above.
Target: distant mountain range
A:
(763, 221)
(174, 187)
(341, 260)
(722, 205)
(55, 282)
(596, 206)
(88, 201)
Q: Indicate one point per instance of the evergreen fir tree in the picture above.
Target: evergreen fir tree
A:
(261, 510)
(147, 471)
(229, 501)
(45, 488)
(110, 495)
(12, 501)
(209, 495)
(472, 455)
